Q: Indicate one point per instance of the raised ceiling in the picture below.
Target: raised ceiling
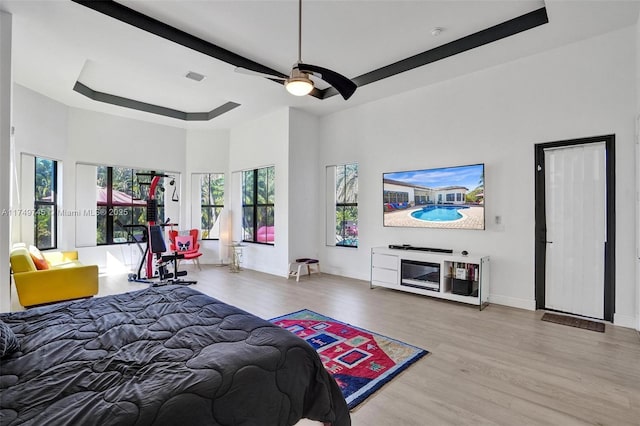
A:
(59, 43)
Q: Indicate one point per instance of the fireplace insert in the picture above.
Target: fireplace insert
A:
(423, 275)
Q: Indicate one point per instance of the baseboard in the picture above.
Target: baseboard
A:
(513, 302)
(353, 274)
(625, 321)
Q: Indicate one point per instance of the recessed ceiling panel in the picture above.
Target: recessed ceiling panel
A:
(160, 85)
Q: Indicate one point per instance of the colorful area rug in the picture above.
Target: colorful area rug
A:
(360, 361)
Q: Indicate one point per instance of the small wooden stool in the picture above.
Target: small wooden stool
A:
(295, 268)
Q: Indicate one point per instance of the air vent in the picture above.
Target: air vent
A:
(195, 76)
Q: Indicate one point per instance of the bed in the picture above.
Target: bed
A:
(160, 356)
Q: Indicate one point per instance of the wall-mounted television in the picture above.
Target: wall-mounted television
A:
(446, 197)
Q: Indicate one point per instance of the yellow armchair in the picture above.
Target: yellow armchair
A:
(66, 278)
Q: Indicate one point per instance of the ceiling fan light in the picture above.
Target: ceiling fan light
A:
(299, 86)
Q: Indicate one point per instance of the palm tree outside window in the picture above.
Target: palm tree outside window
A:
(347, 205)
(258, 205)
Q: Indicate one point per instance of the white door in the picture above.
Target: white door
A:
(575, 195)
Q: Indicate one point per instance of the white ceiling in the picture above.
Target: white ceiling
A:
(59, 42)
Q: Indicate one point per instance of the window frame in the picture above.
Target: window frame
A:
(210, 206)
(343, 204)
(40, 203)
(109, 210)
(255, 206)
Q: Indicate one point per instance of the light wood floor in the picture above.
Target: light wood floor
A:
(501, 366)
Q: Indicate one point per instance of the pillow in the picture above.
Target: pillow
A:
(183, 243)
(8, 341)
(38, 258)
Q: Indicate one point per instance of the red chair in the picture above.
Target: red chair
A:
(186, 245)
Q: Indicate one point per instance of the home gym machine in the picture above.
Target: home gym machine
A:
(139, 240)
(152, 235)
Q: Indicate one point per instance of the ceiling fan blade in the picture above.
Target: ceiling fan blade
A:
(253, 73)
(342, 84)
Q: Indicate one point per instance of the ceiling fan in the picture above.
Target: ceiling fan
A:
(298, 83)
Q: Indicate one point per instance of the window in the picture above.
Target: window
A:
(395, 197)
(45, 223)
(122, 199)
(420, 199)
(347, 205)
(258, 205)
(211, 204)
(451, 197)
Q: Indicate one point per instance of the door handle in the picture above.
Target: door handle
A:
(548, 242)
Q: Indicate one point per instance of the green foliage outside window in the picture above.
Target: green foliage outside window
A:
(211, 204)
(122, 200)
(45, 212)
(347, 205)
(258, 205)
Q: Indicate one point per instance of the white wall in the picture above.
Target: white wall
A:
(304, 238)
(287, 139)
(495, 117)
(41, 124)
(109, 139)
(5, 158)
(260, 143)
(637, 49)
(207, 151)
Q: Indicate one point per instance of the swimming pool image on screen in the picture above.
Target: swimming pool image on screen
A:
(439, 213)
(447, 197)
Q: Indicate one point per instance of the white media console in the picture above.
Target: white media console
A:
(451, 276)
